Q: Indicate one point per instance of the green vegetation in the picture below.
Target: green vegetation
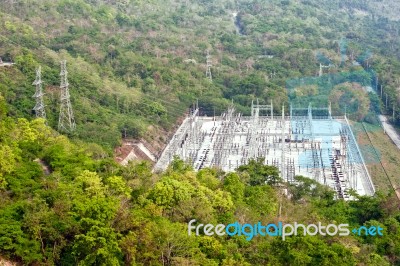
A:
(65, 201)
(128, 65)
(87, 210)
(381, 151)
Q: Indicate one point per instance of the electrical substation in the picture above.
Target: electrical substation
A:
(308, 142)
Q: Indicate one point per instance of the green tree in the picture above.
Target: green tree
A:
(99, 246)
(234, 185)
(259, 174)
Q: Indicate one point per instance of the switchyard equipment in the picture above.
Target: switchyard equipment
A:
(309, 142)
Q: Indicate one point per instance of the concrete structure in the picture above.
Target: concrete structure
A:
(308, 142)
(5, 64)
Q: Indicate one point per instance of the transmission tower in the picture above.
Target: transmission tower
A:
(321, 67)
(66, 121)
(209, 65)
(39, 107)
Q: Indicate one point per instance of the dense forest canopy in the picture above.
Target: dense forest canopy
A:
(135, 68)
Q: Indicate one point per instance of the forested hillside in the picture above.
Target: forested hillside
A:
(65, 203)
(135, 68)
(128, 60)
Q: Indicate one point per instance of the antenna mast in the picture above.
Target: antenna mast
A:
(66, 120)
(39, 107)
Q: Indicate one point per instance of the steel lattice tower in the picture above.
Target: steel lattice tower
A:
(209, 65)
(66, 121)
(39, 107)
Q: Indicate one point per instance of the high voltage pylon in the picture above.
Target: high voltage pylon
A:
(66, 121)
(209, 65)
(321, 67)
(39, 107)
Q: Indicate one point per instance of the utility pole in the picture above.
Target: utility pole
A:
(272, 111)
(393, 112)
(209, 65)
(283, 170)
(386, 100)
(39, 107)
(273, 74)
(66, 121)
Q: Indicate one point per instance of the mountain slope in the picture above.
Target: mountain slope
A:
(127, 58)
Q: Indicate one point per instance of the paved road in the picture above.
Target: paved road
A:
(390, 131)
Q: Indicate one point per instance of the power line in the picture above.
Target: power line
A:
(380, 161)
(9, 41)
(164, 102)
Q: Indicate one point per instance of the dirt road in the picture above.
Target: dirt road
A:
(390, 131)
